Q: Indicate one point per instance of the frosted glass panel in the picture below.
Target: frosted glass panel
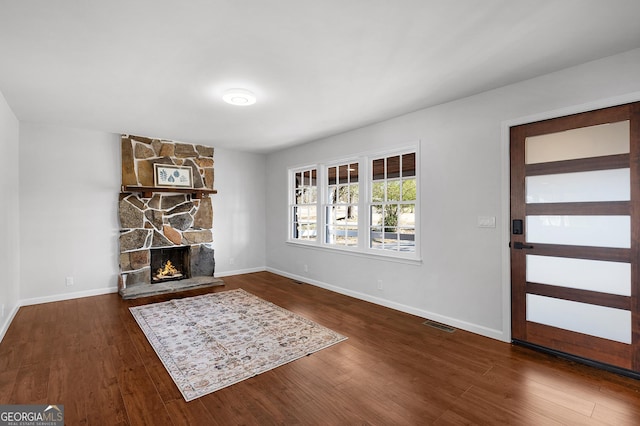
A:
(602, 185)
(599, 231)
(599, 321)
(586, 142)
(593, 275)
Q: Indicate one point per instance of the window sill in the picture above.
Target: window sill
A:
(370, 254)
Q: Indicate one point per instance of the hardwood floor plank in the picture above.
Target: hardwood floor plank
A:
(12, 354)
(30, 386)
(622, 414)
(232, 406)
(542, 400)
(190, 413)
(7, 381)
(67, 387)
(40, 331)
(141, 399)
(569, 397)
(103, 396)
(451, 418)
(91, 354)
(481, 407)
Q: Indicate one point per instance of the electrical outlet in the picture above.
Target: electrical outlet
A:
(306, 268)
(379, 284)
(69, 281)
(232, 261)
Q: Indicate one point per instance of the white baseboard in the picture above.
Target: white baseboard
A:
(67, 296)
(463, 325)
(7, 322)
(239, 272)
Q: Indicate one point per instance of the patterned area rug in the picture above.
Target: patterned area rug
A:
(212, 341)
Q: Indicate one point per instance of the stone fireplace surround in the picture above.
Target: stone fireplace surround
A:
(152, 217)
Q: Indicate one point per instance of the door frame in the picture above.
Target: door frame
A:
(505, 136)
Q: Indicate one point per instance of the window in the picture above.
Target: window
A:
(304, 205)
(341, 206)
(367, 204)
(392, 218)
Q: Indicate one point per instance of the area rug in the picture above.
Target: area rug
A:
(212, 341)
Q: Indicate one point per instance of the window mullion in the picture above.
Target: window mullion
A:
(363, 200)
(321, 204)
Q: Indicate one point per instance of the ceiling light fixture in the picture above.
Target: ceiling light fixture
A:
(240, 97)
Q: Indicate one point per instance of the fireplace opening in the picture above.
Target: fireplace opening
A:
(169, 264)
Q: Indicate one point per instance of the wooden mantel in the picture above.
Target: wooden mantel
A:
(147, 191)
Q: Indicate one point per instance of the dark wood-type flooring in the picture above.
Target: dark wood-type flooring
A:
(90, 355)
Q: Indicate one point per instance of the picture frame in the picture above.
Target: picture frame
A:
(170, 176)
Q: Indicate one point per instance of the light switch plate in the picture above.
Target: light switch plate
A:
(486, 221)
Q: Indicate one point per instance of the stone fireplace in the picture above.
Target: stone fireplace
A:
(163, 228)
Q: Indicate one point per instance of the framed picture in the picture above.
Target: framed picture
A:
(173, 176)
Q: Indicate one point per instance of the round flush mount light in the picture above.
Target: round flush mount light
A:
(240, 97)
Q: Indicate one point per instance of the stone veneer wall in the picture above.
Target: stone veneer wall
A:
(139, 154)
(165, 219)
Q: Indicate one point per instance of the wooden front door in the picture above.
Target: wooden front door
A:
(575, 235)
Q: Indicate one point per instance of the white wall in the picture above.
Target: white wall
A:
(69, 185)
(463, 278)
(9, 216)
(238, 212)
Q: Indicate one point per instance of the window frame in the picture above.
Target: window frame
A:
(396, 226)
(364, 205)
(293, 203)
(326, 203)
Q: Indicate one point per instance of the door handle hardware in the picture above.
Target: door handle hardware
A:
(519, 246)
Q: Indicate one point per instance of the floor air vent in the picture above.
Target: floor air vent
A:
(439, 326)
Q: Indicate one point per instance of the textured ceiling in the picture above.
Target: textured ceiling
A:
(158, 67)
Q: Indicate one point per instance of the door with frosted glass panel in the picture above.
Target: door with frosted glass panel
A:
(575, 235)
